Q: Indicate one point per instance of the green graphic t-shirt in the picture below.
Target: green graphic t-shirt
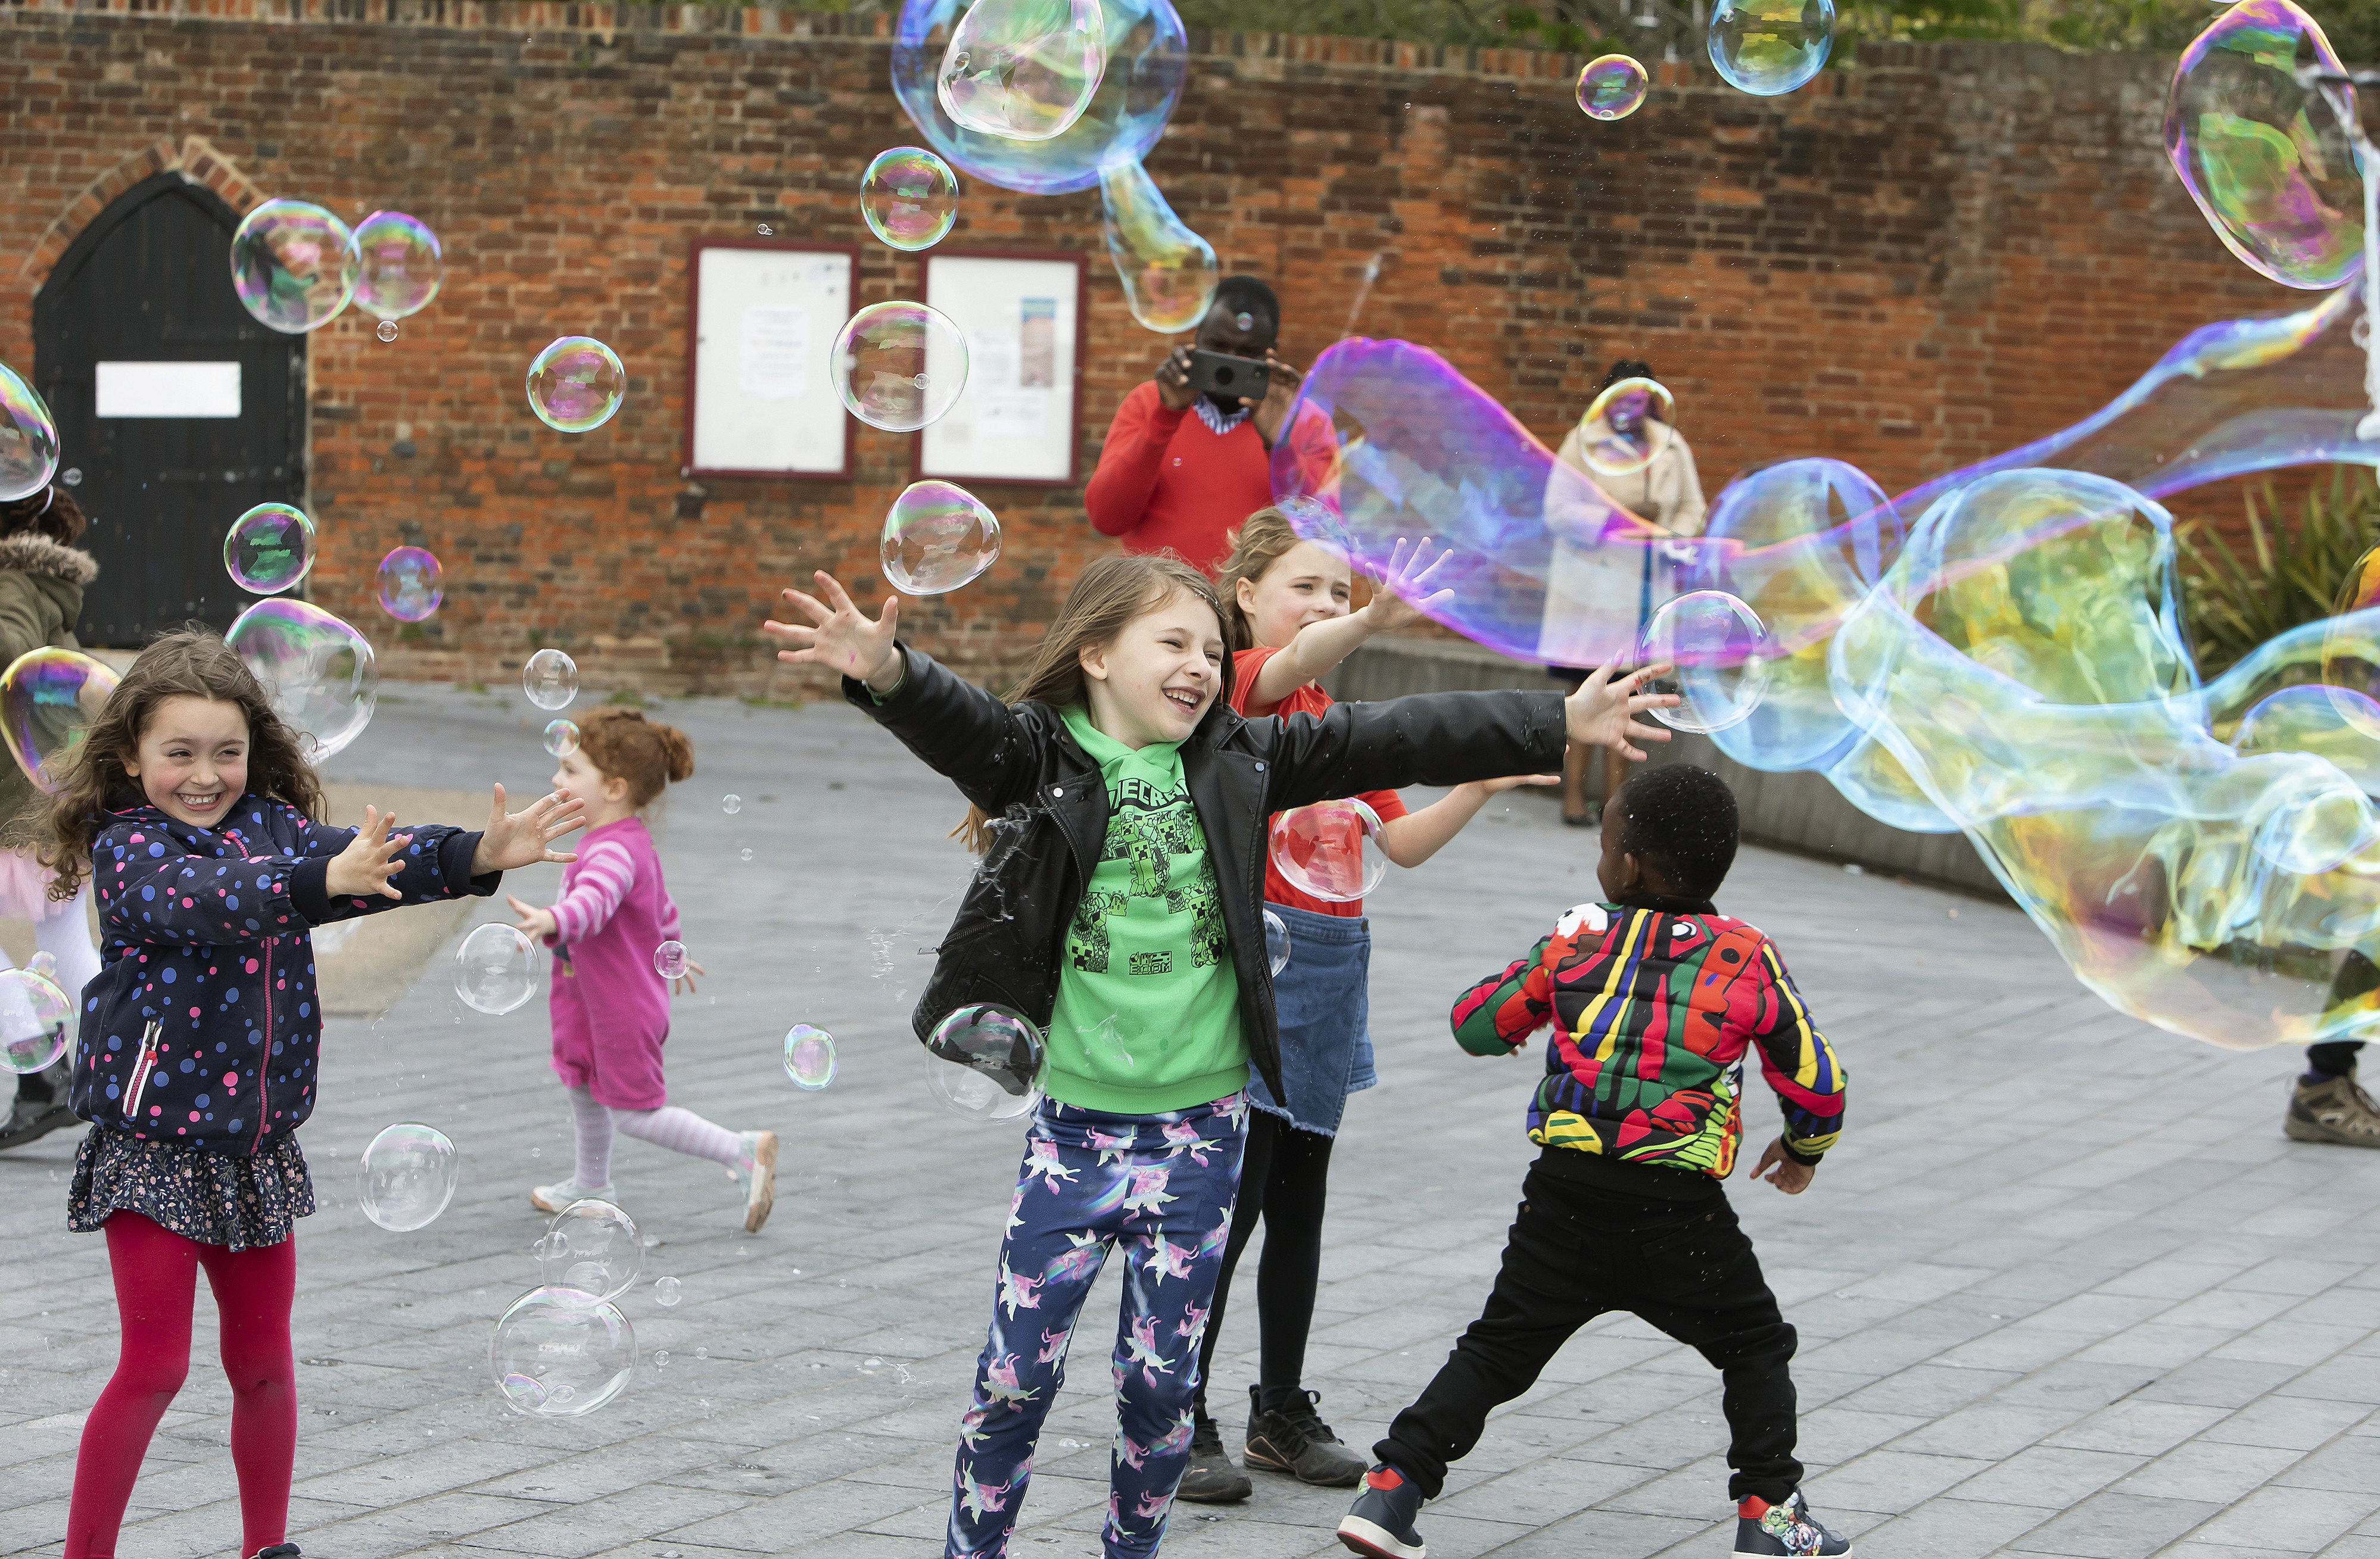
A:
(1148, 1017)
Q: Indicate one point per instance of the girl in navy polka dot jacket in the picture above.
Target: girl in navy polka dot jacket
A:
(190, 809)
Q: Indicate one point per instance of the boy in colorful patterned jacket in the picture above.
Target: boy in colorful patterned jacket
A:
(1656, 1000)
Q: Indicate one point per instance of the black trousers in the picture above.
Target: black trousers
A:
(1285, 1180)
(1578, 1250)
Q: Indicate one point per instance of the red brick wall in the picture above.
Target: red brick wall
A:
(1909, 266)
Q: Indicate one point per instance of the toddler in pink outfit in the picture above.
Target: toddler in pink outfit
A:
(609, 1004)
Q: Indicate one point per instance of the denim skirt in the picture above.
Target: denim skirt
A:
(1322, 999)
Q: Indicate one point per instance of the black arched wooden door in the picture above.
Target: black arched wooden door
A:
(177, 408)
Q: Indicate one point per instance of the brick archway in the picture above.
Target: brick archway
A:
(194, 159)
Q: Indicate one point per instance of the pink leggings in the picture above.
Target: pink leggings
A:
(156, 1279)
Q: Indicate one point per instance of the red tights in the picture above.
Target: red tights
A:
(156, 1279)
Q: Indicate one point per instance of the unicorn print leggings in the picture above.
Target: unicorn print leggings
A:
(1158, 1188)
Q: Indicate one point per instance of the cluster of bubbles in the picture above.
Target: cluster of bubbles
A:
(987, 1062)
(495, 969)
(1330, 849)
(411, 583)
(269, 549)
(47, 698)
(576, 384)
(319, 671)
(296, 266)
(36, 1019)
(407, 1176)
(937, 537)
(550, 678)
(564, 1348)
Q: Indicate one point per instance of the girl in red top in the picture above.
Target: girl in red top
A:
(1290, 613)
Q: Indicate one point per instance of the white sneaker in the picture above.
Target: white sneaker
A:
(553, 1199)
(760, 1177)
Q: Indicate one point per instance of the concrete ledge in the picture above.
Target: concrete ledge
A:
(1800, 812)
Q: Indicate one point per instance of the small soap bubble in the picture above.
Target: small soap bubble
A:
(562, 737)
(1024, 70)
(1611, 87)
(36, 1020)
(909, 197)
(495, 969)
(987, 1062)
(269, 549)
(1169, 272)
(898, 366)
(407, 1176)
(766, 231)
(294, 265)
(810, 1058)
(47, 696)
(744, 853)
(731, 805)
(1626, 427)
(576, 384)
(661, 1358)
(402, 268)
(1714, 642)
(702, 1353)
(319, 671)
(1330, 849)
(667, 1291)
(1244, 320)
(937, 537)
(74, 476)
(561, 1352)
(551, 679)
(669, 960)
(596, 1252)
(385, 330)
(410, 583)
(1769, 47)
(1276, 940)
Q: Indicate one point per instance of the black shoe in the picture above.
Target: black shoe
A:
(1591, 818)
(1777, 1531)
(278, 1551)
(1212, 1480)
(40, 1110)
(1381, 1524)
(1297, 1441)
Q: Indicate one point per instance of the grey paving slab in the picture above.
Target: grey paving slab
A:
(2065, 1290)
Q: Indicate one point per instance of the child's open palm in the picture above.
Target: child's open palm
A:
(1602, 712)
(368, 862)
(838, 636)
(1401, 594)
(519, 838)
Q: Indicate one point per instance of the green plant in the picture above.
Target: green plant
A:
(628, 697)
(2293, 574)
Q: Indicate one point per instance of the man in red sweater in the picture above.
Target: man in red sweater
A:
(1171, 480)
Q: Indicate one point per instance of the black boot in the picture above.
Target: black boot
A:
(1297, 1441)
(41, 1105)
(1211, 1480)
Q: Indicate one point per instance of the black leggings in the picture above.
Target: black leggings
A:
(1284, 1179)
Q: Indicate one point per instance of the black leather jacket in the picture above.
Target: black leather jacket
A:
(1019, 763)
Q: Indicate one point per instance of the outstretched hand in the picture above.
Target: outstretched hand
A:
(1602, 712)
(365, 866)
(519, 838)
(538, 923)
(839, 636)
(1399, 596)
(1782, 1172)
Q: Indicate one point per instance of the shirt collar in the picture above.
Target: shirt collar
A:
(1216, 421)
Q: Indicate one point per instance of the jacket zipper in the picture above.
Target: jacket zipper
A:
(144, 1067)
(264, 1053)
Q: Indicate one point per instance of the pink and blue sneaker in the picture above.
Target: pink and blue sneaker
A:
(1381, 1524)
(1786, 1531)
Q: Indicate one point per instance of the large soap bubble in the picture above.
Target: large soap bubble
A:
(294, 265)
(1169, 272)
(898, 366)
(48, 696)
(937, 537)
(495, 969)
(1769, 47)
(407, 1176)
(1715, 644)
(576, 384)
(29, 438)
(909, 197)
(559, 1353)
(1330, 849)
(1611, 87)
(320, 672)
(402, 266)
(987, 1062)
(36, 1020)
(550, 680)
(1148, 56)
(591, 1246)
(411, 583)
(1627, 427)
(1023, 69)
(269, 549)
(2268, 161)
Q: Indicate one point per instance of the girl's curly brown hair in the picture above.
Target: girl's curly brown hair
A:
(622, 744)
(190, 662)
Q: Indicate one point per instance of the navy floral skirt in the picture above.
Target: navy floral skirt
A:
(210, 1196)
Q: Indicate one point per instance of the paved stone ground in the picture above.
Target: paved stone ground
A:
(2065, 1290)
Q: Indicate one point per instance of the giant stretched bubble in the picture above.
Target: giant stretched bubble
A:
(2268, 160)
(1169, 272)
(319, 672)
(1146, 57)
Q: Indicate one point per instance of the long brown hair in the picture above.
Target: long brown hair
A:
(191, 662)
(1108, 595)
(622, 744)
(1261, 540)
(51, 511)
